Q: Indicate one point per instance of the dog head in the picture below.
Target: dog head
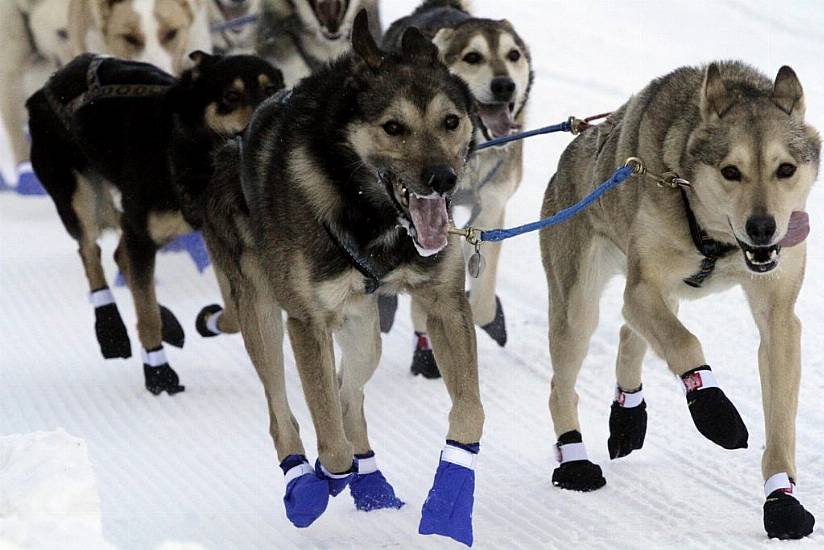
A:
(412, 129)
(328, 19)
(47, 23)
(493, 60)
(152, 31)
(224, 91)
(754, 159)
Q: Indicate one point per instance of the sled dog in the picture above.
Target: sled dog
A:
(741, 141)
(341, 193)
(123, 145)
(35, 44)
(239, 39)
(495, 62)
(301, 36)
(160, 32)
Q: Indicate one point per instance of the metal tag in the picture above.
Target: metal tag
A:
(476, 263)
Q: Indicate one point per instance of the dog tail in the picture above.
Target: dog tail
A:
(461, 5)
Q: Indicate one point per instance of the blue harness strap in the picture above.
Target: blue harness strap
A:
(617, 178)
(562, 127)
(234, 23)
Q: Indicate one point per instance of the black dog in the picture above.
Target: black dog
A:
(123, 145)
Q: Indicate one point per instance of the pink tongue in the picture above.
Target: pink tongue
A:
(497, 119)
(431, 222)
(798, 229)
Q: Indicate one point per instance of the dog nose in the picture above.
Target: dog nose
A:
(441, 178)
(503, 88)
(330, 13)
(761, 229)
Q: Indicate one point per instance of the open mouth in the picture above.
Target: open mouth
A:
(760, 259)
(497, 118)
(331, 35)
(425, 217)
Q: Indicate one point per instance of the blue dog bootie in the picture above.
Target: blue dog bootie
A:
(337, 482)
(369, 488)
(307, 495)
(27, 181)
(447, 510)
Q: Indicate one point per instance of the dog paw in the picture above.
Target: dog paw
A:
(162, 378)
(307, 495)
(712, 412)
(447, 510)
(336, 482)
(387, 307)
(111, 332)
(423, 359)
(497, 328)
(206, 322)
(172, 332)
(785, 517)
(627, 424)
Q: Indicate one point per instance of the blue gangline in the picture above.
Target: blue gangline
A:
(562, 127)
(618, 177)
(232, 23)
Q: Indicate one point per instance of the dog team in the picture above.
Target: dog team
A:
(323, 175)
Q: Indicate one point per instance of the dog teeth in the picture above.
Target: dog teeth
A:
(751, 257)
(773, 254)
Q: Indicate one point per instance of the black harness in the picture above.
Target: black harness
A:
(711, 249)
(372, 270)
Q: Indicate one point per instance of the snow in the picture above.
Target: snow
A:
(200, 467)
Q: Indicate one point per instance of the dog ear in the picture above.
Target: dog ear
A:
(363, 43)
(787, 92)
(199, 56)
(715, 98)
(415, 45)
(442, 38)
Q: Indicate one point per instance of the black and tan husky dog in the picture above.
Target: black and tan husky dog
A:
(337, 193)
(123, 145)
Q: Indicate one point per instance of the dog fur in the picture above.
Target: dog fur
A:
(237, 40)
(494, 61)
(322, 162)
(697, 122)
(297, 38)
(139, 163)
(160, 32)
(35, 44)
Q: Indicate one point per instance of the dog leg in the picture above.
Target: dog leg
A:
(137, 256)
(575, 283)
(648, 313)
(423, 358)
(360, 343)
(779, 364)
(486, 306)
(448, 507)
(628, 415)
(214, 319)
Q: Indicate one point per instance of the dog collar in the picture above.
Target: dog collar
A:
(372, 270)
(708, 247)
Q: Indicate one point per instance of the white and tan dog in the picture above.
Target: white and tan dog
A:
(160, 32)
(35, 44)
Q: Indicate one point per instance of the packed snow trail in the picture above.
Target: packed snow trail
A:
(200, 466)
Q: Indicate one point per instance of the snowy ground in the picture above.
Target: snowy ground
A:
(200, 467)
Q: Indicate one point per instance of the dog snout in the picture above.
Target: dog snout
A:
(441, 178)
(503, 88)
(761, 229)
(330, 14)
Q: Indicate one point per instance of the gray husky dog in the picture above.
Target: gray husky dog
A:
(494, 61)
(742, 142)
(339, 192)
(301, 36)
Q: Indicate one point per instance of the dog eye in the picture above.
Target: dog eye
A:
(133, 40)
(786, 170)
(473, 58)
(514, 55)
(451, 122)
(170, 35)
(231, 97)
(62, 34)
(731, 173)
(393, 128)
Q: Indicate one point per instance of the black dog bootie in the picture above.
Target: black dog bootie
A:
(627, 423)
(713, 414)
(423, 359)
(206, 322)
(108, 326)
(172, 331)
(784, 516)
(496, 329)
(159, 375)
(576, 472)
